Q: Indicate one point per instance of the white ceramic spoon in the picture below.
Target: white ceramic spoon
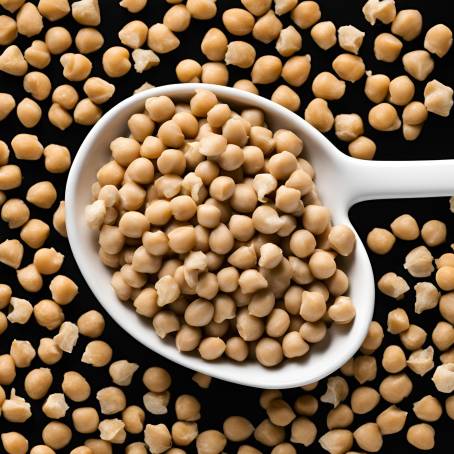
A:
(341, 182)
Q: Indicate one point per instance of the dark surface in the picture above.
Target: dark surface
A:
(223, 399)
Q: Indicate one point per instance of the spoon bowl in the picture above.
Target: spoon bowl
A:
(341, 182)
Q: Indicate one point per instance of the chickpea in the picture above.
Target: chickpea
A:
(88, 40)
(14, 443)
(3, 326)
(5, 295)
(449, 407)
(58, 41)
(10, 177)
(269, 352)
(438, 98)
(401, 90)
(306, 14)
(415, 113)
(86, 112)
(37, 84)
(48, 351)
(13, 62)
(364, 399)
(391, 420)
(161, 39)
(387, 47)
(269, 434)
(438, 40)
(188, 71)
(327, 86)
(8, 371)
(201, 9)
(11, 253)
(97, 353)
(395, 388)
(349, 67)
(133, 34)
(319, 115)
(240, 53)
(98, 90)
(267, 28)
(383, 117)
(286, 97)
(53, 10)
(133, 6)
(446, 306)
(215, 73)
(348, 127)
(445, 278)
(8, 29)
(324, 34)
(418, 64)
(7, 104)
(336, 441)
(48, 314)
(289, 41)
(29, 20)
(339, 417)
(350, 38)
(433, 233)
(56, 435)
(37, 383)
(86, 12)
(15, 212)
(368, 437)
(28, 112)
(428, 409)
(115, 61)
(238, 22)
(407, 24)
(421, 436)
(376, 88)
(266, 69)
(42, 194)
(37, 54)
(246, 85)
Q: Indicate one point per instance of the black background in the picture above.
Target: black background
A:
(223, 399)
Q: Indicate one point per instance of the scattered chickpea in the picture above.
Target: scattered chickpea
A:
(421, 436)
(58, 40)
(115, 61)
(438, 98)
(37, 55)
(387, 47)
(14, 443)
(12, 61)
(238, 22)
(407, 24)
(267, 28)
(97, 353)
(86, 12)
(324, 34)
(56, 435)
(438, 40)
(88, 40)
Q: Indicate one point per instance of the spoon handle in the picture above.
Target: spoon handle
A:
(369, 180)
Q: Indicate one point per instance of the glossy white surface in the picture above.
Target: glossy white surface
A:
(341, 181)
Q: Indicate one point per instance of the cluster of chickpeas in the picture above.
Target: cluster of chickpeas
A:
(216, 232)
(144, 44)
(263, 22)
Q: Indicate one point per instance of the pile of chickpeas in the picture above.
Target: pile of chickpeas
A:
(360, 406)
(215, 230)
